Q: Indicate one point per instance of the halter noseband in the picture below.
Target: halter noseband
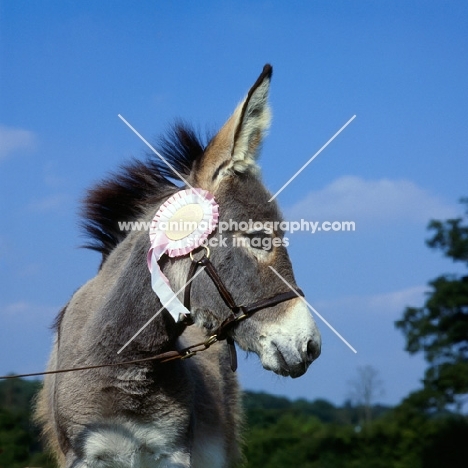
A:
(238, 312)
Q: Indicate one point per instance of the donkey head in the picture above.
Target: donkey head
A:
(249, 248)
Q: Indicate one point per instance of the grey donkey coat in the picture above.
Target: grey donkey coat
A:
(183, 413)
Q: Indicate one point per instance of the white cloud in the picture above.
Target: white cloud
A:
(352, 198)
(28, 270)
(390, 304)
(26, 336)
(398, 300)
(15, 308)
(15, 139)
(50, 203)
(22, 309)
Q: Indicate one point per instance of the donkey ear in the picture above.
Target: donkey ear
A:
(235, 148)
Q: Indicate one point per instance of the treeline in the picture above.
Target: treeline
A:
(20, 445)
(280, 433)
(301, 434)
(421, 432)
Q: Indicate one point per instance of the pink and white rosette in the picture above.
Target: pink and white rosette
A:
(181, 224)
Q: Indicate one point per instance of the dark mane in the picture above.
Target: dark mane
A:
(124, 195)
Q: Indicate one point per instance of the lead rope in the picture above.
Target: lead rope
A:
(238, 313)
(185, 353)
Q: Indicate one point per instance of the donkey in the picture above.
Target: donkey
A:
(183, 413)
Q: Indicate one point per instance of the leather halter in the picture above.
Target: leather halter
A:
(238, 312)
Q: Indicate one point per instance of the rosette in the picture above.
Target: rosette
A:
(182, 223)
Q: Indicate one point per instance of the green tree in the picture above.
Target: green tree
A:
(439, 329)
(19, 436)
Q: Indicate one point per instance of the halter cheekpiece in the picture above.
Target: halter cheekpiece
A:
(181, 225)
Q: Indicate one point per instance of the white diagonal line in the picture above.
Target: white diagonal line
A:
(174, 170)
(312, 158)
(313, 310)
(159, 311)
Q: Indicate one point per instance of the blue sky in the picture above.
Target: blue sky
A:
(68, 68)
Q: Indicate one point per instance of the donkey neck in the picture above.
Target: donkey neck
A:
(132, 303)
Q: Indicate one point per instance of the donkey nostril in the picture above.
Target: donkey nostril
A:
(313, 350)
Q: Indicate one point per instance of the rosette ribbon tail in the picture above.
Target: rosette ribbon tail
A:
(195, 215)
(159, 282)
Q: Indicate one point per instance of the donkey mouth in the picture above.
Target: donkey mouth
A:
(288, 370)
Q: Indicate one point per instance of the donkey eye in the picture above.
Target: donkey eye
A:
(256, 234)
(259, 240)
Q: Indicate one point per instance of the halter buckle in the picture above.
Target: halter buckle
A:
(188, 354)
(211, 340)
(205, 255)
(242, 314)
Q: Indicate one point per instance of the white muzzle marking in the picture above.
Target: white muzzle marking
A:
(288, 346)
